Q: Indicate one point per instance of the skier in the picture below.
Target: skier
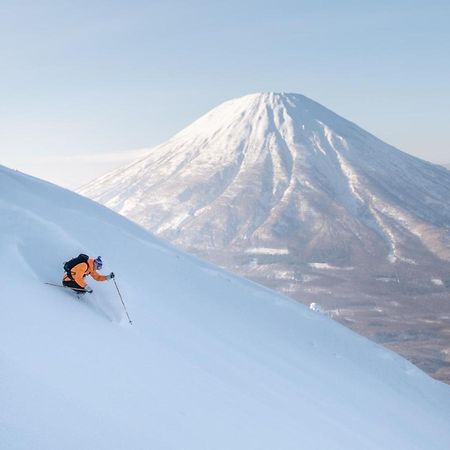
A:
(80, 267)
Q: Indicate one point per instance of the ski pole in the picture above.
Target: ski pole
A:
(124, 307)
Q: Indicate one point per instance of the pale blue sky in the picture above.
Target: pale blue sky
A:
(95, 79)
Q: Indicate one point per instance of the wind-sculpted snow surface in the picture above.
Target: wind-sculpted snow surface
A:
(211, 361)
(281, 172)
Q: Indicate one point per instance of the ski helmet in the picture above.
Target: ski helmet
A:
(98, 263)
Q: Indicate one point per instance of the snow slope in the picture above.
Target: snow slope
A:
(211, 362)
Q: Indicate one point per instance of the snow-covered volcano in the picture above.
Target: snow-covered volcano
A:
(212, 361)
(267, 169)
(286, 192)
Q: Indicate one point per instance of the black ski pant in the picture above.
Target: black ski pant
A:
(73, 284)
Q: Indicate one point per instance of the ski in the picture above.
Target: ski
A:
(66, 287)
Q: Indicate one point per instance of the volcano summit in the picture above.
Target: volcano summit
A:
(283, 191)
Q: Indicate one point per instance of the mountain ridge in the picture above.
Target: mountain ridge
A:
(202, 131)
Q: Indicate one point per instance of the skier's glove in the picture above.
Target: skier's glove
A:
(88, 289)
(111, 275)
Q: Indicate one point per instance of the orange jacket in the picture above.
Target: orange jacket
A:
(82, 270)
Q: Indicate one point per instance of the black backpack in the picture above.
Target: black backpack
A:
(69, 265)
